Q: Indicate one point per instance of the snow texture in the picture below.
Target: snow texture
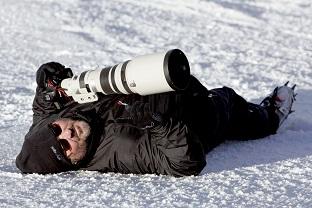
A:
(251, 46)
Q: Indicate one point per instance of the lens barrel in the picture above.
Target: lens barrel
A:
(144, 75)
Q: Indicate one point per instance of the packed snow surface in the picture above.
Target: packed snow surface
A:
(251, 46)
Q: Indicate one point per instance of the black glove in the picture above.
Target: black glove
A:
(49, 77)
(142, 116)
(51, 74)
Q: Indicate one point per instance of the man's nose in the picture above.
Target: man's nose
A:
(67, 134)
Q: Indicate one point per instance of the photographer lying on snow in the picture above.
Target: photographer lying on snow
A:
(165, 133)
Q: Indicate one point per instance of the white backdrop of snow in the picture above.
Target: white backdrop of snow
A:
(251, 46)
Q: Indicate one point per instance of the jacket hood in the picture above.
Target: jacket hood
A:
(42, 153)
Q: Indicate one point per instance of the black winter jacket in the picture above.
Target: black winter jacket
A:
(195, 121)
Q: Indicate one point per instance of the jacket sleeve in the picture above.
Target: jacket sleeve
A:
(41, 107)
(177, 151)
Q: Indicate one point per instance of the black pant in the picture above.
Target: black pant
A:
(221, 114)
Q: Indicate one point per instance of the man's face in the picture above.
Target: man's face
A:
(72, 137)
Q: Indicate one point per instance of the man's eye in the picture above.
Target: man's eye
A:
(64, 144)
(56, 129)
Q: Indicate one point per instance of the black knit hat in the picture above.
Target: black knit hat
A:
(42, 153)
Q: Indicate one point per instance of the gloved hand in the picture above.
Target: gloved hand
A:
(49, 77)
(142, 116)
(52, 74)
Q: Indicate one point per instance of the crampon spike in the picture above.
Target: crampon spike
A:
(293, 87)
(286, 83)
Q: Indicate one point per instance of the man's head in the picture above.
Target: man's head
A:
(72, 136)
(54, 146)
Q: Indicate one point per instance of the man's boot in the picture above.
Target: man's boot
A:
(280, 101)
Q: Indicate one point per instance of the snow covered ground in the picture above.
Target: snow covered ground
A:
(249, 45)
